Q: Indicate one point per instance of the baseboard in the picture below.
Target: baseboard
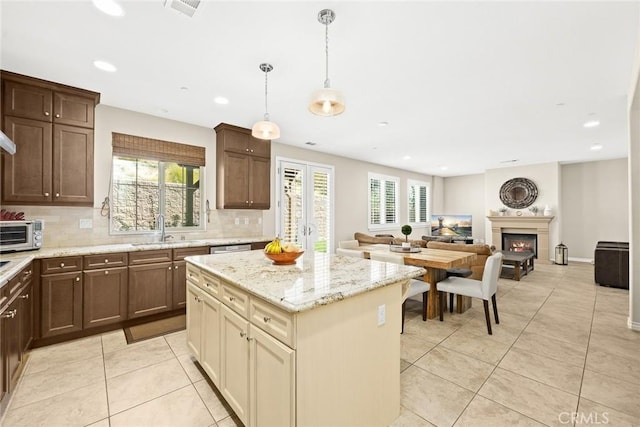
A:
(587, 260)
(634, 326)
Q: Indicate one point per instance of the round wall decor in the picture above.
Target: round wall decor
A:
(518, 193)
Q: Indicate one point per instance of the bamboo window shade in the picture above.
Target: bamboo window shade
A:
(156, 149)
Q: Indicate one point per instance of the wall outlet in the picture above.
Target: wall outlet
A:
(246, 221)
(86, 223)
(237, 221)
(382, 315)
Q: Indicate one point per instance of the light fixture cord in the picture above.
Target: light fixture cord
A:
(326, 51)
(266, 109)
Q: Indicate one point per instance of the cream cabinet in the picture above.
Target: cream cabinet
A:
(234, 372)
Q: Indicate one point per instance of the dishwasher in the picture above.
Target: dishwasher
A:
(227, 249)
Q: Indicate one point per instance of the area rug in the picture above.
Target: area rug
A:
(155, 328)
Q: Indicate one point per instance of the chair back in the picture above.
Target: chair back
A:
(490, 276)
(348, 244)
(350, 252)
(386, 257)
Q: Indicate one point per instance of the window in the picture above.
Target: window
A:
(419, 195)
(152, 177)
(383, 201)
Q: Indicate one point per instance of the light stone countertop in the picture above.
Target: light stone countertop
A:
(314, 280)
(20, 259)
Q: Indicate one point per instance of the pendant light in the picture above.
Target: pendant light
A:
(326, 101)
(265, 129)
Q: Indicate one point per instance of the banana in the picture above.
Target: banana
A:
(274, 247)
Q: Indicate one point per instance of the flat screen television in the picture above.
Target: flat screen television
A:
(451, 225)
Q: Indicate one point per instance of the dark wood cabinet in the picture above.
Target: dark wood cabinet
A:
(52, 126)
(104, 296)
(243, 166)
(26, 317)
(61, 303)
(150, 289)
(180, 273)
(13, 348)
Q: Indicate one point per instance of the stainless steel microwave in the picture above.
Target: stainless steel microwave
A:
(18, 236)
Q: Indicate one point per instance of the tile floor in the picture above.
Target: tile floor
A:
(562, 350)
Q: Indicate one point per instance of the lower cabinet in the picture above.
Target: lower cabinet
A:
(105, 296)
(254, 371)
(61, 303)
(150, 289)
(26, 309)
(179, 284)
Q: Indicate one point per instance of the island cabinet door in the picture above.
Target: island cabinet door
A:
(234, 375)
(271, 381)
(194, 320)
(210, 346)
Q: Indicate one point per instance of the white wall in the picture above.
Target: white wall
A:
(594, 205)
(351, 194)
(465, 195)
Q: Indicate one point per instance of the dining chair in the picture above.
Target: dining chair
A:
(350, 252)
(482, 289)
(348, 244)
(416, 287)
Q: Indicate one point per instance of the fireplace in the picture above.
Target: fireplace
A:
(528, 224)
(519, 242)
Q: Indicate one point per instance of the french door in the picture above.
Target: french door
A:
(305, 204)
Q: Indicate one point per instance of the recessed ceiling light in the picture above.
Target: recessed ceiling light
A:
(110, 7)
(591, 123)
(383, 124)
(105, 66)
(310, 143)
(509, 161)
(221, 100)
(407, 157)
(560, 104)
(596, 147)
(184, 88)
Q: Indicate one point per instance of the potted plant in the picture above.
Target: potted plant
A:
(503, 211)
(406, 230)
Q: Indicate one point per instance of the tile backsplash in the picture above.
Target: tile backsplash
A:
(73, 226)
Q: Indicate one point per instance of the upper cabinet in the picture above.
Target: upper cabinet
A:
(52, 126)
(243, 166)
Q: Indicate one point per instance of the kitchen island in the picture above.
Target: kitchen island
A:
(315, 343)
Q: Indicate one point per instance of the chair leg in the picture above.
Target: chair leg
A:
(450, 302)
(402, 330)
(424, 306)
(486, 315)
(441, 295)
(495, 308)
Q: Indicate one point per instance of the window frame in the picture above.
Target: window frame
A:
(161, 199)
(415, 183)
(383, 180)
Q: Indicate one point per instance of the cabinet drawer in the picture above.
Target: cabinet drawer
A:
(150, 257)
(193, 274)
(210, 284)
(236, 299)
(105, 260)
(275, 322)
(61, 265)
(180, 253)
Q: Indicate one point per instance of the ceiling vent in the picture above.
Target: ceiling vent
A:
(187, 7)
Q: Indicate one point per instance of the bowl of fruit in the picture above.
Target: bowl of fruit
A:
(282, 253)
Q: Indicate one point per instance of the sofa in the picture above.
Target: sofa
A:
(481, 250)
(611, 264)
(366, 239)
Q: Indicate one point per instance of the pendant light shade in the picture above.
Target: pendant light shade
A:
(265, 129)
(326, 101)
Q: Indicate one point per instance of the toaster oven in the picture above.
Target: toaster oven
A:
(16, 236)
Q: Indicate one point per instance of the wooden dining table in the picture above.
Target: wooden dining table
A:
(434, 261)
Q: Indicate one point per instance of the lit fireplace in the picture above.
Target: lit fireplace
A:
(520, 242)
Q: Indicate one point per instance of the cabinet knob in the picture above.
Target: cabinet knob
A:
(106, 272)
(169, 267)
(57, 116)
(246, 201)
(26, 296)
(231, 299)
(77, 279)
(106, 261)
(249, 339)
(46, 113)
(10, 314)
(251, 151)
(46, 194)
(175, 267)
(62, 265)
(57, 194)
(242, 334)
(266, 319)
(251, 202)
(246, 149)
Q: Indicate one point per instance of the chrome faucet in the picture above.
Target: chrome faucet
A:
(160, 226)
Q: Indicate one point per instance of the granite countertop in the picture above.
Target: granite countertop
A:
(20, 259)
(315, 280)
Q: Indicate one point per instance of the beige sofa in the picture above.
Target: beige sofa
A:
(482, 252)
(366, 239)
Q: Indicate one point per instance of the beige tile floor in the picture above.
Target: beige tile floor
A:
(562, 349)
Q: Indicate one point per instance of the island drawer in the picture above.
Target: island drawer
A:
(236, 299)
(105, 260)
(61, 265)
(210, 284)
(274, 321)
(193, 274)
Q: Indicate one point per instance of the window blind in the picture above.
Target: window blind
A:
(155, 149)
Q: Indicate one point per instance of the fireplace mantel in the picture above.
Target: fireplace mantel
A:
(538, 225)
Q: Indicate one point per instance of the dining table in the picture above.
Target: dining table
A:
(434, 261)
